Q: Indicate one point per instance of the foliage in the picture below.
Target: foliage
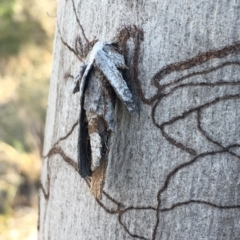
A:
(25, 63)
(18, 27)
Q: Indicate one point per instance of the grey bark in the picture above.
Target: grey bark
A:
(173, 167)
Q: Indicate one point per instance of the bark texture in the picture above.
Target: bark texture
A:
(173, 167)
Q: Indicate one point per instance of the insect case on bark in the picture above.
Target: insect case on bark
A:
(99, 78)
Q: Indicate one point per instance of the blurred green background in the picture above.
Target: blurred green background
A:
(26, 39)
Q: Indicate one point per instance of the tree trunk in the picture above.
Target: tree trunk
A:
(173, 166)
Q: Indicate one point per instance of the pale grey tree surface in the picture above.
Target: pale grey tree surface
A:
(173, 168)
